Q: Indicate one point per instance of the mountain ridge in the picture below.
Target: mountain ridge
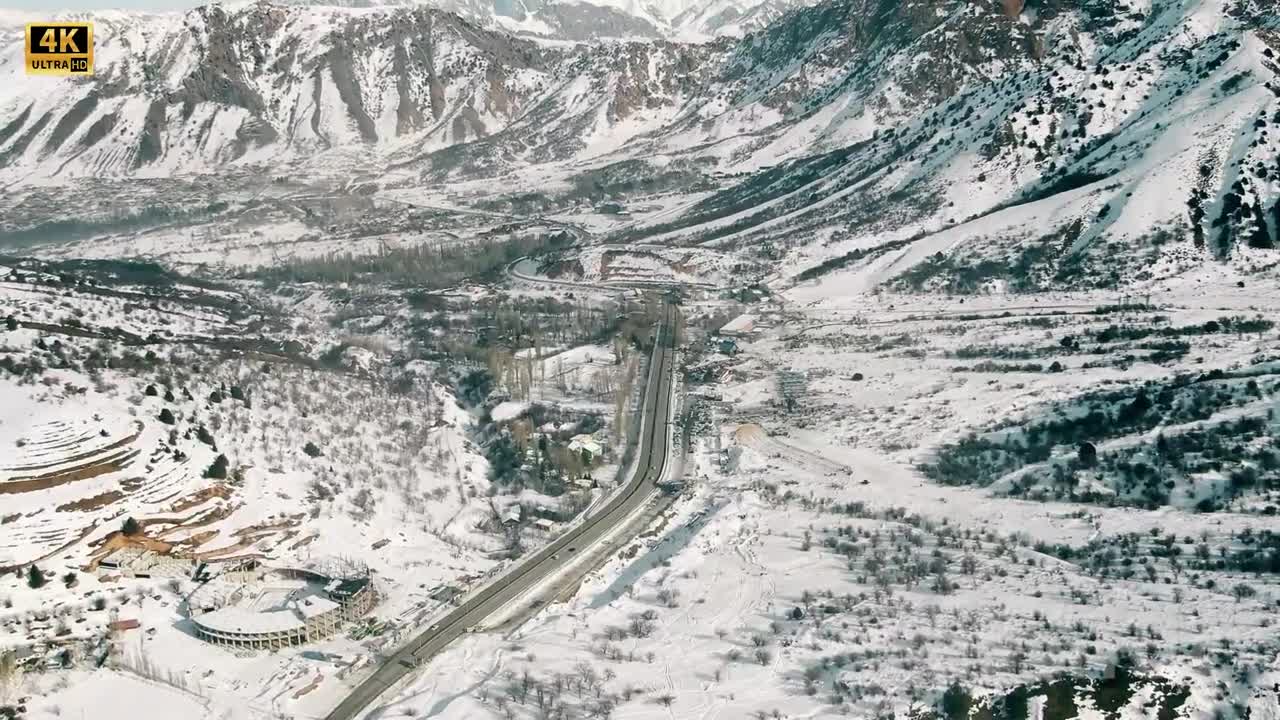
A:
(842, 130)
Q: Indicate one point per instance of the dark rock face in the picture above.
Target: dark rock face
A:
(253, 133)
(71, 120)
(408, 113)
(233, 48)
(339, 61)
(98, 130)
(12, 128)
(151, 144)
(19, 145)
(929, 47)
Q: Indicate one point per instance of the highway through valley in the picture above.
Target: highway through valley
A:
(651, 460)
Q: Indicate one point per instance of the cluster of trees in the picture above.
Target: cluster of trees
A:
(983, 458)
(431, 265)
(580, 693)
(117, 221)
(988, 366)
(1060, 697)
(1166, 558)
(1237, 325)
(466, 329)
(545, 465)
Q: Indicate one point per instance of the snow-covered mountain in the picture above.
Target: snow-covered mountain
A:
(193, 92)
(1096, 143)
(582, 20)
(1042, 136)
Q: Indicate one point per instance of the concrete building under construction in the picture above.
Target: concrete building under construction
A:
(259, 608)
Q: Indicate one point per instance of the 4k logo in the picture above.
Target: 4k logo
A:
(59, 49)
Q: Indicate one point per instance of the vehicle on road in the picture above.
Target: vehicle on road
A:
(409, 662)
(655, 446)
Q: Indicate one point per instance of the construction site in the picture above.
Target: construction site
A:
(252, 606)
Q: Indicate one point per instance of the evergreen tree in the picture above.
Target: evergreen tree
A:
(204, 436)
(1261, 236)
(1088, 454)
(218, 470)
(503, 456)
(956, 702)
(35, 577)
(166, 416)
(131, 526)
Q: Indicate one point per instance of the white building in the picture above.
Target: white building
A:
(578, 443)
(741, 326)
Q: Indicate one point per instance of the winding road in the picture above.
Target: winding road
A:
(551, 560)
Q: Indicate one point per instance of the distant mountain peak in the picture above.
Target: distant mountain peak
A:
(581, 20)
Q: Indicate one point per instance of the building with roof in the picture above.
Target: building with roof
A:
(122, 625)
(511, 516)
(587, 442)
(741, 326)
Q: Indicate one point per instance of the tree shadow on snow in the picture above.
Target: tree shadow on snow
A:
(671, 543)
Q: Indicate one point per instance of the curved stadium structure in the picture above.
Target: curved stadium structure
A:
(259, 608)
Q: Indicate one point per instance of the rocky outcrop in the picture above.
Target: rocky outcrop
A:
(19, 146)
(14, 125)
(339, 61)
(73, 118)
(98, 130)
(151, 144)
(408, 113)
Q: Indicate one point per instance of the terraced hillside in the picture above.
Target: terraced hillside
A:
(132, 392)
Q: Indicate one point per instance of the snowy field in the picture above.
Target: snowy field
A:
(811, 570)
(200, 416)
(168, 407)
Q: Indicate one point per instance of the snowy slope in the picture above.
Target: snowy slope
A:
(593, 19)
(1093, 133)
(217, 87)
(868, 136)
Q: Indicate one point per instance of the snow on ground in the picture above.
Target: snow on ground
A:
(114, 696)
(508, 411)
(632, 263)
(818, 574)
(725, 611)
(115, 402)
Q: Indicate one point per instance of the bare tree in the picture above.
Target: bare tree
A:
(1243, 591)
